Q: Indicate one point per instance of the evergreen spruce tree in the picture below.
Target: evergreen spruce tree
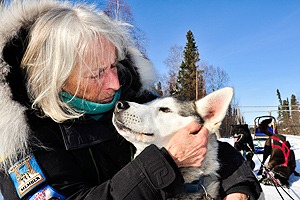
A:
(285, 126)
(288, 115)
(295, 116)
(279, 97)
(186, 78)
(280, 112)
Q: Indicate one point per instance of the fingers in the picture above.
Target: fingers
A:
(189, 157)
(192, 162)
(188, 149)
(236, 196)
(193, 127)
(199, 150)
(201, 138)
(203, 132)
(193, 156)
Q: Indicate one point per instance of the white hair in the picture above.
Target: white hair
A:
(58, 41)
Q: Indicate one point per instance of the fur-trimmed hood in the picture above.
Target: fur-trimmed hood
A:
(16, 20)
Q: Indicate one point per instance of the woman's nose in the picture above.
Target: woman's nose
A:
(111, 80)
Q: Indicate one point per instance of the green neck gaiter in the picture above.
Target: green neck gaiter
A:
(94, 109)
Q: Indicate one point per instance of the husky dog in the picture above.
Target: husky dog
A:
(282, 160)
(243, 142)
(157, 121)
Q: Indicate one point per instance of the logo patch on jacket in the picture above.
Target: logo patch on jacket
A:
(47, 193)
(26, 174)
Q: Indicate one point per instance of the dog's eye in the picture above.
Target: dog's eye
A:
(165, 109)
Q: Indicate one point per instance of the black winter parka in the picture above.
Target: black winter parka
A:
(88, 159)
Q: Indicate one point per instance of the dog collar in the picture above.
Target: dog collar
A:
(195, 186)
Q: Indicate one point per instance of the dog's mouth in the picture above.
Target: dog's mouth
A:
(238, 137)
(122, 127)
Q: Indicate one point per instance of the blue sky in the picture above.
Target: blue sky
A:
(256, 42)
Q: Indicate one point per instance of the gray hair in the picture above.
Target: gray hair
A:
(57, 42)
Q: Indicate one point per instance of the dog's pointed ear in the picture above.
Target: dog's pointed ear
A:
(213, 107)
(267, 121)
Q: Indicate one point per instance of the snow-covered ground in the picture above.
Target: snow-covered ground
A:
(270, 191)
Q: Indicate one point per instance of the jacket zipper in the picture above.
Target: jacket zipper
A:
(94, 162)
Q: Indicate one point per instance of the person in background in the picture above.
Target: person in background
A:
(62, 69)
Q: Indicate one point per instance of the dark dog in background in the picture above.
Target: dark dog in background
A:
(243, 142)
(282, 159)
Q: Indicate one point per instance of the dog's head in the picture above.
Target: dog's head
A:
(157, 121)
(264, 127)
(240, 132)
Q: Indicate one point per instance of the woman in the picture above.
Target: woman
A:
(63, 67)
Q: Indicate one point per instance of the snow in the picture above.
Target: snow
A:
(270, 192)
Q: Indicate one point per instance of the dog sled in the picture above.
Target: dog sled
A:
(259, 138)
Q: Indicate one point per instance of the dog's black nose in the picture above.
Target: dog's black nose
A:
(121, 105)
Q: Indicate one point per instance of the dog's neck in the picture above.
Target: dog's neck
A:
(139, 148)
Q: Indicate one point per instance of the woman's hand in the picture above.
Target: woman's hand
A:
(236, 196)
(189, 145)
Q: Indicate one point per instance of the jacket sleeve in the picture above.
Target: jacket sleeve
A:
(151, 175)
(147, 175)
(236, 176)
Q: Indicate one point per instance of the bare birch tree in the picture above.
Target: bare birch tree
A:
(173, 62)
(215, 77)
(121, 11)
